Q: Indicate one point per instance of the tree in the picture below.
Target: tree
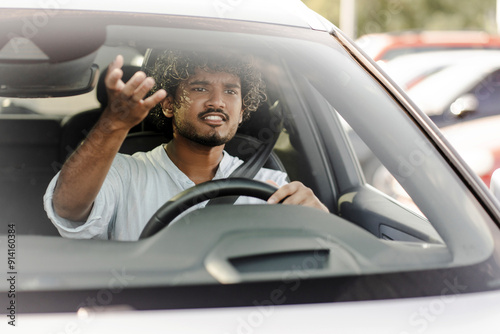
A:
(395, 15)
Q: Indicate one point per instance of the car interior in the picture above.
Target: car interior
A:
(31, 161)
(49, 133)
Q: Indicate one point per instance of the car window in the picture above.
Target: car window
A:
(338, 120)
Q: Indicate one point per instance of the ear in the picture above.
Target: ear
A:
(241, 116)
(167, 106)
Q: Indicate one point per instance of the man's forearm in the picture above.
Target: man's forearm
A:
(83, 174)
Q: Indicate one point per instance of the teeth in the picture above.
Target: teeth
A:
(213, 118)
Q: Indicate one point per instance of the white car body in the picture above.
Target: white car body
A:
(457, 309)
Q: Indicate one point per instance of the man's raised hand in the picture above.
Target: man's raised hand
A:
(126, 104)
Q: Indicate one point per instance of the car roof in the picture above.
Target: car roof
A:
(281, 12)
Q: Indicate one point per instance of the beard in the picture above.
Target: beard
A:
(188, 131)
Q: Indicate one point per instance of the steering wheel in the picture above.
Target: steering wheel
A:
(202, 192)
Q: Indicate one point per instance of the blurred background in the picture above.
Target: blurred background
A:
(375, 16)
(445, 54)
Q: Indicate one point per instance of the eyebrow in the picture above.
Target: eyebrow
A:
(204, 82)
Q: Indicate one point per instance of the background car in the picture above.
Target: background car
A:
(387, 46)
(465, 90)
(456, 96)
(373, 263)
(409, 70)
(478, 142)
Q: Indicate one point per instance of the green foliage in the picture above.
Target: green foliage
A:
(394, 15)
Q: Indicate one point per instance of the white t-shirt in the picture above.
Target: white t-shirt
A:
(134, 189)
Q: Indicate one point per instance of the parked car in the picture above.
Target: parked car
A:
(453, 88)
(464, 99)
(387, 46)
(409, 70)
(370, 264)
(478, 142)
(464, 91)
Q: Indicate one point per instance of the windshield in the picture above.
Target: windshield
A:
(328, 121)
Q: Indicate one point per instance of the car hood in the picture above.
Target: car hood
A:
(451, 312)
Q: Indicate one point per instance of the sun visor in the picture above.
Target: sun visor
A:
(45, 79)
(49, 63)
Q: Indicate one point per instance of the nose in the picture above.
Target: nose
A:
(216, 99)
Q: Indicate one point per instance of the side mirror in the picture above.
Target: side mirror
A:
(464, 105)
(495, 184)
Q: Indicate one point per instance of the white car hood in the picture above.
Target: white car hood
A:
(452, 312)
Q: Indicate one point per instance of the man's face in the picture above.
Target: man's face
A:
(207, 108)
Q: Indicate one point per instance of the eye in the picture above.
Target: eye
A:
(199, 89)
(231, 92)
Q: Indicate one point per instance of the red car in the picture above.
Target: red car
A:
(478, 142)
(386, 46)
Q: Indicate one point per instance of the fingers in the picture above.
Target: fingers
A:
(117, 63)
(127, 105)
(135, 89)
(285, 193)
(295, 193)
(113, 77)
(154, 99)
(137, 86)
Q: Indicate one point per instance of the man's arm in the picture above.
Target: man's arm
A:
(83, 174)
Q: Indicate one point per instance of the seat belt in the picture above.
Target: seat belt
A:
(249, 168)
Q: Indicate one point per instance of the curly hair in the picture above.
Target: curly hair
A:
(173, 66)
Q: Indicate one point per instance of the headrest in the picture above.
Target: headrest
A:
(102, 95)
(264, 122)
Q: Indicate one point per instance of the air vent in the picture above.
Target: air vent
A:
(299, 260)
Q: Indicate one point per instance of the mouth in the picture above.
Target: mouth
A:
(214, 118)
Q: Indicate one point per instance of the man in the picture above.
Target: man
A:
(105, 195)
